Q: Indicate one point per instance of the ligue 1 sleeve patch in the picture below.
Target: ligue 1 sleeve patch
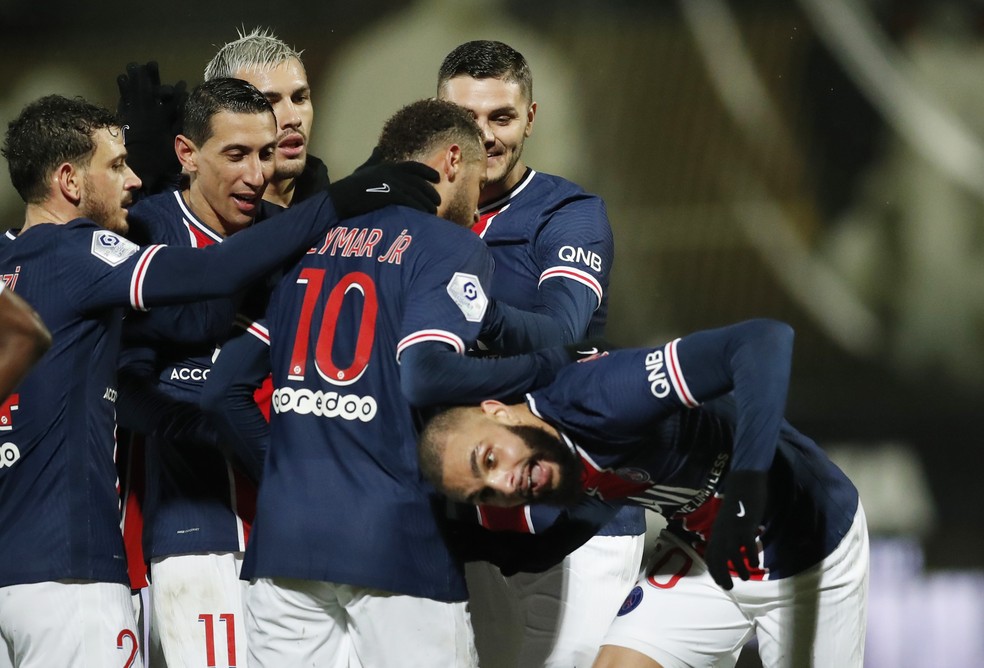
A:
(111, 248)
(632, 601)
(467, 293)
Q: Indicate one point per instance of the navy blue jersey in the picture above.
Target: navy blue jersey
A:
(342, 498)
(553, 249)
(636, 420)
(59, 505)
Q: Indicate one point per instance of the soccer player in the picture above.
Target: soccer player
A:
(197, 506)
(276, 69)
(64, 599)
(553, 250)
(347, 560)
(23, 340)
(745, 495)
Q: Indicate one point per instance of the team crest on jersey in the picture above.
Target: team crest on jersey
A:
(111, 248)
(633, 474)
(467, 293)
(631, 602)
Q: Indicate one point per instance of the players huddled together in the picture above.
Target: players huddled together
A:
(272, 419)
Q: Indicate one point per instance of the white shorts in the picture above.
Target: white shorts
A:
(558, 618)
(312, 623)
(680, 618)
(70, 624)
(198, 604)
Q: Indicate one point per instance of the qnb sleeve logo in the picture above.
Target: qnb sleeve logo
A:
(9, 454)
(324, 404)
(467, 293)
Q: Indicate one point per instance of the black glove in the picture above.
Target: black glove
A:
(151, 116)
(588, 349)
(374, 159)
(375, 186)
(736, 526)
(549, 361)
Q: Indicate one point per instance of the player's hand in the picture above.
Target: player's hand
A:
(374, 159)
(732, 543)
(151, 115)
(376, 186)
(588, 349)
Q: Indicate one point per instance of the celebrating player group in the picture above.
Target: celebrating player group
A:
(254, 416)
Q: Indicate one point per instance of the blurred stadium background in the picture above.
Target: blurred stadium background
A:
(816, 161)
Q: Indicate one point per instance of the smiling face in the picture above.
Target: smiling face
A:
(108, 182)
(230, 171)
(505, 117)
(285, 85)
(496, 456)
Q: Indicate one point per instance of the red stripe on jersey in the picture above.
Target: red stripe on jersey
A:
(483, 221)
(700, 522)
(131, 472)
(676, 375)
(606, 484)
(139, 275)
(431, 335)
(575, 274)
(263, 396)
(200, 239)
(505, 519)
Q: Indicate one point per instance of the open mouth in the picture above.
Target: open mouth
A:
(291, 145)
(537, 479)
(246, 203)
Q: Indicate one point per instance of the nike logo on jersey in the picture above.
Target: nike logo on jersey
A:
(589, 351)
(385, 188)
(741, 509)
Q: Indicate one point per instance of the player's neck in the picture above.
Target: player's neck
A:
(493, 191)
(280, 192)
(48, 212)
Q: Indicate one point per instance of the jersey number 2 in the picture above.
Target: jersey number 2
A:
(313, 282)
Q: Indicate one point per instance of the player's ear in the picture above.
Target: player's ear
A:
(496, 410)
(530, 116)
(452, 162)
(68, 179)
(187, 153)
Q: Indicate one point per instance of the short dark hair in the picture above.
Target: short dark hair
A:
(49, 132)
(432, 443)
(486, 59)
(420, 127)
(222, 94)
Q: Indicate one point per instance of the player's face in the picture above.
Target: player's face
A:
(462, 207)
(506, 119)
(505, 465)
(108, 182)
(285, 85)
(232, 169)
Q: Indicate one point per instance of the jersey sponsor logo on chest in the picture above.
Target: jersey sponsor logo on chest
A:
(194, 374)
(324, 404)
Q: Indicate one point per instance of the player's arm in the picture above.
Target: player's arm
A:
(142, 407)
(434, 373)
(561, 316)
(165, 275)
(150, 114)
(515, 549)
(227, 396)
(575, 250)
(23, 340)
